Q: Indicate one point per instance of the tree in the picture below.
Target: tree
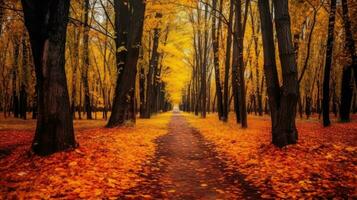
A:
(85, 63)
(282, 101)
(46, 23)
(152, 74)
(215, 43)
(129, 28)
(328, 63)
(347, 84)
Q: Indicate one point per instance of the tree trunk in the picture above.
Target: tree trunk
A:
(124, 98)
(347, 84)
(282, 101)
(46, 23)
(328, 63)
(24, 82)
(142, 92)
(228, 63)
(215, 43)
(85, 66)
(151, 73)
(15, 97)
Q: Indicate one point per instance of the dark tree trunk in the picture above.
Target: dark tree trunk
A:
(151, 73)
(15, 97)
(239, 69)
(215, 42)
(142, 92)
(24, 82)
(124, 98)
(347, 84)
(46, 23)
(328, 63)
(85, 66)
(228, 63)
(75, 69)
(282, 101)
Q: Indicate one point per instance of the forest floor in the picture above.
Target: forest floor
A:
(181, 156)
(322, 164)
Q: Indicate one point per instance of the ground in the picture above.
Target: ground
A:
(181, 156)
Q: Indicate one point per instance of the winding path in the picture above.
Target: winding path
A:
(186, 167)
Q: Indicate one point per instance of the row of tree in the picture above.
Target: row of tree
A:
(72, 38)
(230, 37)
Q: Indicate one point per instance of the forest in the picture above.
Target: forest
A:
(184, 99)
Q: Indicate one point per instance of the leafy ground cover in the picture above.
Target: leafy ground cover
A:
(107, 162)
(322, 164)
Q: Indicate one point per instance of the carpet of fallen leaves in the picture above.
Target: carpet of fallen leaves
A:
(322, 164)
(107, 161)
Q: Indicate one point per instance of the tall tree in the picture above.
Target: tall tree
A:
(282, 102)
(347, 84)
(85, 63)
(46, 23)
(328, 63)
(228, 64)
(151, 74)
(215, 43)
(129, 23)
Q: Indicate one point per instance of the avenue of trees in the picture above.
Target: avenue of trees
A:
(282, 58)
(65, 60)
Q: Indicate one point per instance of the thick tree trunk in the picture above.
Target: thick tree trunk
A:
(328, 63)
(286, 131)
(124, 98)
(283, 101)
(347, 84)
(46, 23)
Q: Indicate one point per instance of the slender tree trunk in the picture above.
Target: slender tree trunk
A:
(46, 23)
(328, 63)
(142, 92)
(215, 42)
(24, 82)
(85, 66)
(150, 76)
(228, 63)
(15, 97)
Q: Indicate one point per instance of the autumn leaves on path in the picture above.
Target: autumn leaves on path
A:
(186, 167)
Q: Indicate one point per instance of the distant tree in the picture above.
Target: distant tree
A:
(46, 22)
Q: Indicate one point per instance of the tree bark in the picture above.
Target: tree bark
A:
(347, 84)
(228, 63)
(85, 65)
(328, 63)
(124, 98)
(282, 101)
(215, 43)
(46, 23)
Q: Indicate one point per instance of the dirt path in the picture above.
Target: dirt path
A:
(186, 167)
